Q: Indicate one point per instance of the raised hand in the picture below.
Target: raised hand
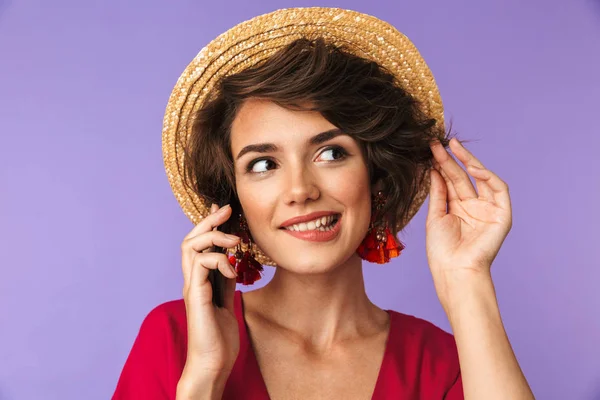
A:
(213, 334)
(465, 227)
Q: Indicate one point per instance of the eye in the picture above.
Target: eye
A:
(259, 166)
(331, 153)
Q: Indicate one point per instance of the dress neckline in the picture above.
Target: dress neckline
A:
(246, 345)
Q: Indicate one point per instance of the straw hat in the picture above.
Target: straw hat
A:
(253, 40)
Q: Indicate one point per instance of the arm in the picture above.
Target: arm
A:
(488, 364)
(465, 229)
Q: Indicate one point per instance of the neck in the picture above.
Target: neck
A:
(321, 310)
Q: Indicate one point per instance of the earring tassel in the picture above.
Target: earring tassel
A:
(247, 268)
(380, 251)
(393, 246)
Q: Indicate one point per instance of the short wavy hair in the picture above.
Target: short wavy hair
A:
(356, 95)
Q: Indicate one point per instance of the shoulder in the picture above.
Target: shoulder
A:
(157, 357)
(169, 309)
(163, 327)
(169, 316)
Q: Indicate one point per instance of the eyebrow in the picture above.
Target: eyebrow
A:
(271, 147)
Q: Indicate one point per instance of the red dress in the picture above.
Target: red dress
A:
(420, 360)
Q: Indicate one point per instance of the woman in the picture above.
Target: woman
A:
(319, 152)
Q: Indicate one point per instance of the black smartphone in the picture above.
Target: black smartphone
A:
(216, 278)
(217, 281)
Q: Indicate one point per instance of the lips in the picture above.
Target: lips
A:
(317, 235)
(323, 223)
(306, 218)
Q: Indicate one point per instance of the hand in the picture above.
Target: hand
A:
(213, 334)
(464, 228)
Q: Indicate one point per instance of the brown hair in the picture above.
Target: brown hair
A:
(355, 94)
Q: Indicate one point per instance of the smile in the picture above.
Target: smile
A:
(321, 224)
(318, 230)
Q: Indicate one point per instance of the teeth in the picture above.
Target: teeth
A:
(321, 224)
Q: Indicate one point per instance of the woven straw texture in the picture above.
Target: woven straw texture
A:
(253, 40)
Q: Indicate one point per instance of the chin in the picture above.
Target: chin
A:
(312, 261)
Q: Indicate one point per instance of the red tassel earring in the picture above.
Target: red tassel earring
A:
(247, 268)
(380, 244)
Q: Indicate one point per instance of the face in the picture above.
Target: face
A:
(286, 167)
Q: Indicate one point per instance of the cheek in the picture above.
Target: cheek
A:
(257, 192)
(351, 187)
(257, 201)
(352, 184)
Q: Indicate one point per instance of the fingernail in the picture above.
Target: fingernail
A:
(224, 208)
(231, 237)
(232, 269)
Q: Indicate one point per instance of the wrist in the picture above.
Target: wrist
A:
(455, 289)
(201, 387)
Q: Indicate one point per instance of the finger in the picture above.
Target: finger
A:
(197, 293)
(209, 240)
(463, 154)
(213, 209)
(211, 221)
(201, 244)
(455, 173)
(202, 292)
(437, 197)
(498, 188)
(483, 189)
(201, 266)
(472, 163)
(451, 192)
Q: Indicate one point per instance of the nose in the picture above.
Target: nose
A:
(300, 186)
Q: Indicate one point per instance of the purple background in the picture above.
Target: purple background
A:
(90, 232)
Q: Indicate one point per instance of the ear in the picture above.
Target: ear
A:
(377, 186)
